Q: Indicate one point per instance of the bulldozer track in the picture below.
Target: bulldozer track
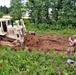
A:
(4, 38)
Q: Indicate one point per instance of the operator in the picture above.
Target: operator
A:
(72, 43)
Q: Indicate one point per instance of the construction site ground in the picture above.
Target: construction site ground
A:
(41, 42)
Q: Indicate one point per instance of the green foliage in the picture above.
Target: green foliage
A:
(62, 14)
(16, 9)
(34, 63)
(39, 10)
(4, 9)
(55, 29)
(1, 14)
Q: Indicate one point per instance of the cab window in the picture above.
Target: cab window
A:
(18, 35)
(4, 26)
(8, 22)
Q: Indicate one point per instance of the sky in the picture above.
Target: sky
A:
(5, 3)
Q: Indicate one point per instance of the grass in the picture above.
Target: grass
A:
(66, 31)
(56, 30)
(34, 63)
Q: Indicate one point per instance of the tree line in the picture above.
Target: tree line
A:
(4, 10)
(59, 13)
(62, 12)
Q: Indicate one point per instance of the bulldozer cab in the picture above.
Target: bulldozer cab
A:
(3, 26)
(16, 31)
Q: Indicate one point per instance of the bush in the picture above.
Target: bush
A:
(43, 26)
(34, 63)
(1, 14)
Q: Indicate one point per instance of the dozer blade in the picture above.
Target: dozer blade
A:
(4, 38)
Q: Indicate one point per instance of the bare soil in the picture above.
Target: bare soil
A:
(44, 43)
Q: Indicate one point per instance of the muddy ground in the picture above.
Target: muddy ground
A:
(44, 43)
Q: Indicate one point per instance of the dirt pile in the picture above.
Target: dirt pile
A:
(41, 42)
(46, 42)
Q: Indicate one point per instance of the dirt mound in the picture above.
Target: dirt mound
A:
(46, 42)
(43, 42)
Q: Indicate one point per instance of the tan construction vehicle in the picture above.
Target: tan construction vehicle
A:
(12, 32)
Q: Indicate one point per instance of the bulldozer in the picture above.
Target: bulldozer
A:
(12, 32)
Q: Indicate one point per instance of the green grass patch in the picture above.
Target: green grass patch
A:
(34, 63)
(66, 31)
(50, 29)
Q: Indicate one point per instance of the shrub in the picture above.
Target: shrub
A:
(34, 63)
(1, 14)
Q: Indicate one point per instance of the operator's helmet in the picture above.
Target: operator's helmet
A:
(74, 36)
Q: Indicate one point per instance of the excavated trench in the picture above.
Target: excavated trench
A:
(43, 42)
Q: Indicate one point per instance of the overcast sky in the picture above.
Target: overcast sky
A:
(5, 3)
